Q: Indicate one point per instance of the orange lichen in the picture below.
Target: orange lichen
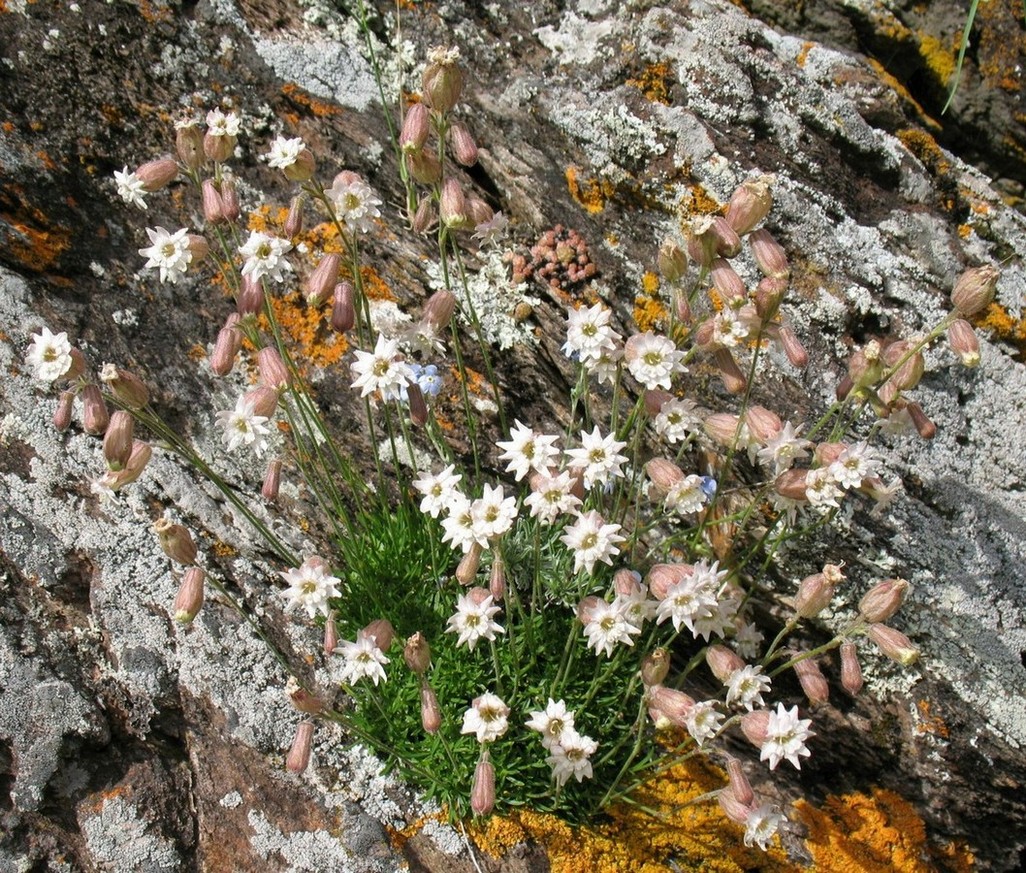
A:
(196, 352)
(697, 201)
(1003, 325)
(650, 312)
(999, 45)
(654, 82)
(223, 550)
(928, 722)
(152, 13)
(803, 55)
(965, 231)
(319, 108)
(592, 193)
(877, 833)
(307, 333)
(35, 243)
(925, 147)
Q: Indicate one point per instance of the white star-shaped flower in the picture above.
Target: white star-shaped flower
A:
(131, 188)
(265, 256)
(49, 355)
(528, 450)
(362, 659)
(169, 252)
(598, 457)
(785, 737)
(487, 718)
(382, 370)
(474, 620)
(591, 540)
(242, 426)
(310, 586)
(284, 152)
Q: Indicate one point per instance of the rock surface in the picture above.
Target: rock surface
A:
(128, 742)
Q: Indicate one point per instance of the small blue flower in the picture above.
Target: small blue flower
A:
(708, 487)
(429, 381)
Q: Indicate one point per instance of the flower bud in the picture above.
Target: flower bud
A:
(226, 347)
(273, 372)
(417, 653)
(683, 307)
(749, 204)
(586, 609)
(293, 226)
(721, 428)
(664, 474)
(198, 247)
(213, 206)
(330, 635)
(424, 167)
(157, 174)
(416, 404)
(302, 168)
(672, 261)
(964, 343)
(65, 407)
(264, 400)
(768, 296)
(137, 461)
(894, 644)
(733, 379)
(907, 376)
(883, 600)
(298, 758)
(322, 280)
(250, 299)
(175, 541)
(701, 245)
(844, 387)
(791, 484)
(755, 725)
(303, 700)
(865, 366)
(464, 149)
(763, 424)
(442, 82)
(727, 282)
(452, 206)
(482, 795)
(218, 148)
(627, 583)
(430, 711)
(118, 440)
(655, 398)
(128, 388)
(654, 667)
(739, 784)
(439, 309)
(662, 577)
(851, 672)
(723, 662)
(975, 289)
(924, 426)
(478, 212)
(467, 569)
(272, 480)
(189, 145)
(812, 680)
(416, 127)
(189, 599)
(673, 705)
(815, 592)
(78, 366)
(229, 198)
(424, 217)
(827, 453)
(733, 808)
(95, 417)
(792, 346)
(728, 243)
(343, 307)
(497, 579)
(769, 255)
(381, 631)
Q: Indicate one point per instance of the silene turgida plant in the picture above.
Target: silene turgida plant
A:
(538, 621)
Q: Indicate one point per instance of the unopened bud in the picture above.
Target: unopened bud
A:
(294, 220)
(844, 387)
(250, 300)
(464, 149)
(755, 726)
(627, 583)
(792, 346)
(416, 127)
(175, 541)
(672, 261)
(416, 404)
(273, 372)
(721, 428)
(272, 480)
(739, 784)
(763, 424)
(322, 280)
(424, 167)
(907, 376)
(664, 474)
(975, 289)
(655, 667)
(732, 807)
(497, 579)
(894, 644)
(924, 426)
(298, 758)
(213, 206)
(662, 577)
(417, 653)
(128, 388)
(442, 83)
(157, 174)
(95, 417)
(78, 366)
(381, 631)
(452, 205)
(189, 145)
(439, 309)
(65, 407)
(674, 706)
(727, 282)
(586, 609)
(302, 168)
(964, 342)
(198, 247)
(851, 671)
(723, 662)
(482, 795)
(815, 592)
(263, 400)
(343, 307)
(702, 241)
(791, 484)
(655, 398)
(137, 461)
(430, 711)
(827, 453)
(749, 204)
(768, 296)
(865, 366)
(330, 635)
(118, 440)
(226, 347)
(478, 212)
(424, 217)
(303, 700)
(733, 379)
(812, 680)
(883, 600)
(467, 569)
(728, 243)
(769, 255)
(230, 198)
(683, 307)
(218, 148)
(189, 599)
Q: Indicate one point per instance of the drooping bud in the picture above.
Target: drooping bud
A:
(381, 631)
(728, 243)
(727, 282)
(791, 484)
(293, 226)
(424, 217)
(792, 346)
(924, 426)
(416, 127)
(189, 145)
(430, 711)
(464, 149)
(118, 440)
(230, 198)
(755, 726)
(655, 398)
(442, 82)
(137, 461)
(749, 204)
(723, 662)
(250, 299)
(851, 671)
(662, 577)
(812, 680)
(664, 474)
(424, 167)
(655, 667)
(189, 599)
(975, 289)
(672, 261)
(157, 174)
(482, 795)
(322, 280)
(272, 480)
(416, 404)
(175, 541)
(763, 424)
(226, 347)
(298, 758)
(964, 342)
(721, 428)
(218, 148)
(894, 644)
(128, 388)
(768, 296)
(198, 247)
(673, 706)
(733, 808)
(627, 583)
(417, 653)
(827, 453)
(907, 376)
(478, 212)
(815, 592)
(883, 600)
(263, 400)
(439, 309)
(303, 700)
(95, 417)
(739, 784)
(65, 407)
(330, 635)
(273, 372)
(586, 609)
(343, 307)
(497, 579)
(452, 205)
(769, 255)
(467, 569)
(78, 366)
(682, 306)
(213, 206)
(733, 379)
(302, 168)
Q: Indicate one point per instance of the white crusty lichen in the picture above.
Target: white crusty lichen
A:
(118, 838)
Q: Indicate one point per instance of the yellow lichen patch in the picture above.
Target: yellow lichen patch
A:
(196, 352)
(319, 108)
(592, 193)
(223, 550)
(877, 833)
(267, 219)
(654, 82)
(1000, 44)
(697, 201)
(939, 57)
(309, 338)
(965, 231)
(374, 286)
(803, 55)
(925, 147)
(1003, 325)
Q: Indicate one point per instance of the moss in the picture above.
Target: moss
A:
(874, 833)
